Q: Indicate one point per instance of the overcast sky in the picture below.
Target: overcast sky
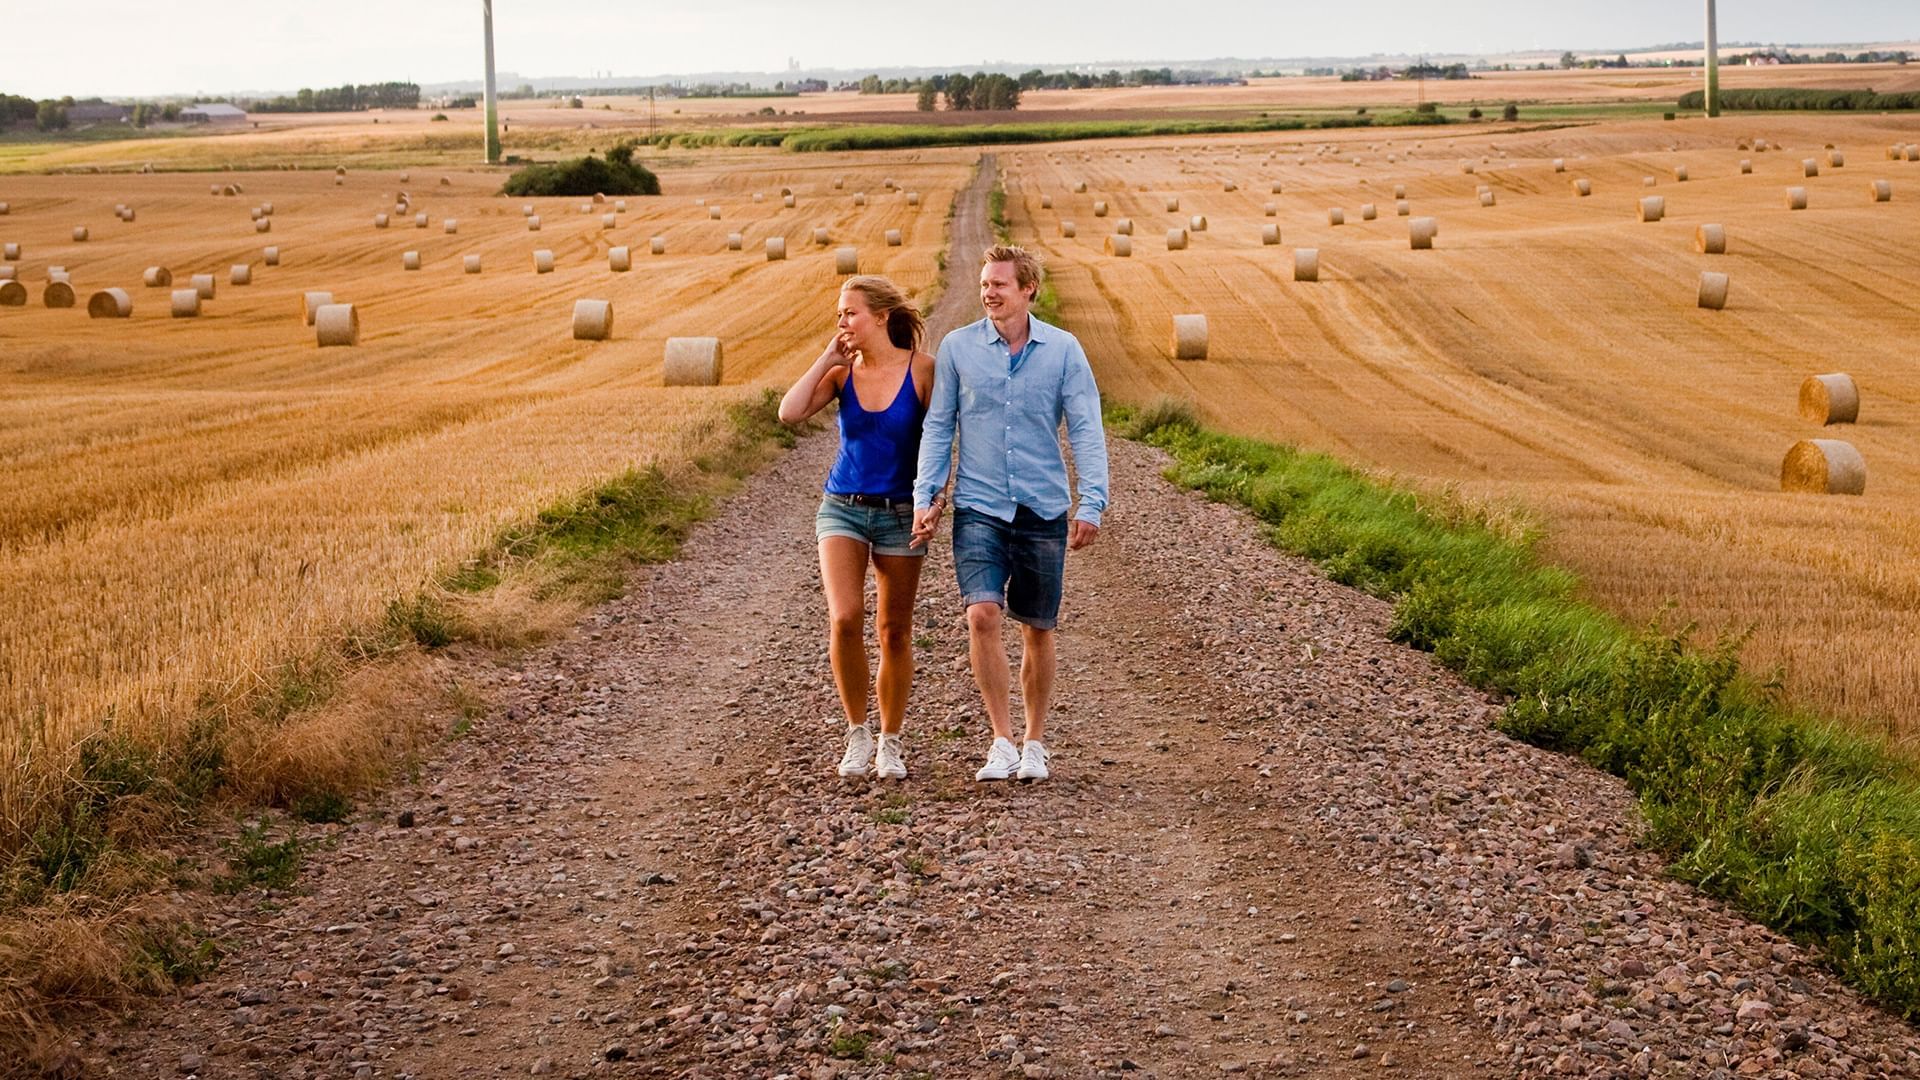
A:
(133, 47)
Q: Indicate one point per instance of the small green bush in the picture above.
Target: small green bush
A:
(616, 174)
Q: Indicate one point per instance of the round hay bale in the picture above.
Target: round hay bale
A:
(1653, 208)
(1486, 198)
(1336, 216)
(379, 221)
(263, 225)
(592, 320)
(1710, 240)
(607, 222)
(543, 261)
(420, 220)
(157, 277)
(776, 248)
(586, 208)
(1067, 229)
(1080, 187)
(893, 237)
(1230, 186)
(1647, 181)
(787, 201)
(1680, 174)
(619, 259)
(213, 189)
(657, 245)
(1119, 246)
(820, 237)
(1269, 235)
(692, 361)
(109, 304)
(735, 241)
(1270, 209)
(7, 273)
(1810, 166)
(230, 190)
(4, 209)
(1173, 204)
(186, 303)
(1367, 212)
(859, 198)
(1583, 187)
(127, 215)
(713, 213)
(1713, 290)
(758, 197)
(846, 260)
(1123, 226)
(336, 325)
(1796, 198)
(1880, 191)
(1401, 208)
(1099, 208)
(240, 274)
(311, 302)
(1399, 191)
(1306, 264)
(450, 226)
(1046, 202)
(1176, 239)
(1197, 223)
(257, 213)
(526, 210)
(1559, 164)
(339, 170)
(471, 264)
(1466, 167)
(1836, 159)
(1746, 166)
(270, 256)
(913, 198)
(1274, 188)
(619, 206)
(599, 198)
(79, 234)
(203, 284)
(409, 260)
(1189, 337)
(1824, 467)
(533, 223)
(10, 251)
(1830, 399)
(12, 294)
(1913, 151)
(1420, 233)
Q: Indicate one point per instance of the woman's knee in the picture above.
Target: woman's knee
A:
(846, 624)
(896, 635)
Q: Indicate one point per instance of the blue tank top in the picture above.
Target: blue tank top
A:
(879, 451)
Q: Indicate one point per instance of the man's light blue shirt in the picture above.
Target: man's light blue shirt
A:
(1006, 410)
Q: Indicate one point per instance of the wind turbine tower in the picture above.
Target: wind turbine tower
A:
(1713, 65)
(493, 117)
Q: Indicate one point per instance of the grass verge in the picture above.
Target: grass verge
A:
(1803, 826)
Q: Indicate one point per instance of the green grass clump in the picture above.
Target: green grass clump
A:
(1797, 98)
(1802, 825)
(616, 174)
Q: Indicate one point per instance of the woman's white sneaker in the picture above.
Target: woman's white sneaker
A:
(1002, 760)
(1033, 761)
(890, 762)
(859, 756)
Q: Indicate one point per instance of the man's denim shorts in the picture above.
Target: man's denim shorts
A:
(1018, 564)
(888, 531)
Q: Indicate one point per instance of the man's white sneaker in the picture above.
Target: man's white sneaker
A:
(859, 756)
(1033, 761)
(1002, 760)
(890, 763)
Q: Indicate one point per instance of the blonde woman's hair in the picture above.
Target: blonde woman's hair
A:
(1026, 265)
(905, 327)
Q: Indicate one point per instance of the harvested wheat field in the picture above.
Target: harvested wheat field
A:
(191, 502)
(1548, 352)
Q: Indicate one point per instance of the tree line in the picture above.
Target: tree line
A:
(348, 98)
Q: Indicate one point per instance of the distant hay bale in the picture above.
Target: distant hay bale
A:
(657, 245)
(1680, 173)
(1367, 212)
(913, 198)
(1173, 204)
(893, 237)
(1189, 337)
(1067, 229)
(1836, 159)
(379, 221)
(5, 209)
(1197, 223)
(608, 221)
(1399, 191)
(336, 325)
(1653, 208)
(1796, 198)
(735, 241)
(599, 198)
(270, 256)
(1176, 239)
(1913, 151)
(592, 320)
(846, 261)
(1746, 166)
(79, 233)
(157, 277)
(1401, 207)
(12, 294)
(1306, 264)
(1880, 191)
(470, 264)
(713, 213)
(533, 223)
(586, 208)
(1647, 181)
(109, 304)
(1710, 240)
(1810, 166)
(1270, 209)
(1583, 187)
(820, 236)
(1486, 198)
(409, 260)
(256, 213)
(311, 302)
(339, 170)
(859, 198)
(230, 190)
(450, 226)
(619, 259)
(263, 225)
(1119, 246)
(776, 248)
(186, 303)
(1466, 167)
(1420, 233)
(7, 273)
(213, 189)
(1046, 202)
(126, 215)
(1713, 290)
(11, 251)
(240, 274)
(59, 273)
(1123, 226)
(420, 220)
(692, 361)
(526, 210)
(619, 206)
(1080, 187)
(787, 201)
(1336, 216)
(1230, 186)
(203, 284)
(1274, 188)
(1269, 235)
(543, 261)
(1099, 208)
(1824, 467)
(1830, 399)
(1559, 164)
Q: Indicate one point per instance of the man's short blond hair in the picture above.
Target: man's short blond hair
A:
(1026, 265)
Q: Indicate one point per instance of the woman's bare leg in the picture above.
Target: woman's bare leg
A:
(843, 576)
(898, 579)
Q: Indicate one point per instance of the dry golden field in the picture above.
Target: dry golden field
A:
(190, 502)
(1548, 351)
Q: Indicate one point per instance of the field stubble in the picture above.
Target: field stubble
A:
(1548, 354)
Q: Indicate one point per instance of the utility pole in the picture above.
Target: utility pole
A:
(492, 98)
(1713, 65)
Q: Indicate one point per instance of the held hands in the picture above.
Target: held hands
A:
(1081, 534)
(927, 521)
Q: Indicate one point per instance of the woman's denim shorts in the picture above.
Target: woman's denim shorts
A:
(888, 531)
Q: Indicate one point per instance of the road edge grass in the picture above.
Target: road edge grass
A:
(1799, 823)
(80, 926)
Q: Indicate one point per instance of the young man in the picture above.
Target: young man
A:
(1002, 386)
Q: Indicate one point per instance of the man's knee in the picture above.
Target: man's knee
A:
(984, 618)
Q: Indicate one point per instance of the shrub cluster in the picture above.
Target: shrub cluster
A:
(616, 174)
(1796, 98)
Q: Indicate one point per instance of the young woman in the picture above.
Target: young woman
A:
(875, 368)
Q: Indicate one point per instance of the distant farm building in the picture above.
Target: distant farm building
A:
(213, 113)
(95, 113)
